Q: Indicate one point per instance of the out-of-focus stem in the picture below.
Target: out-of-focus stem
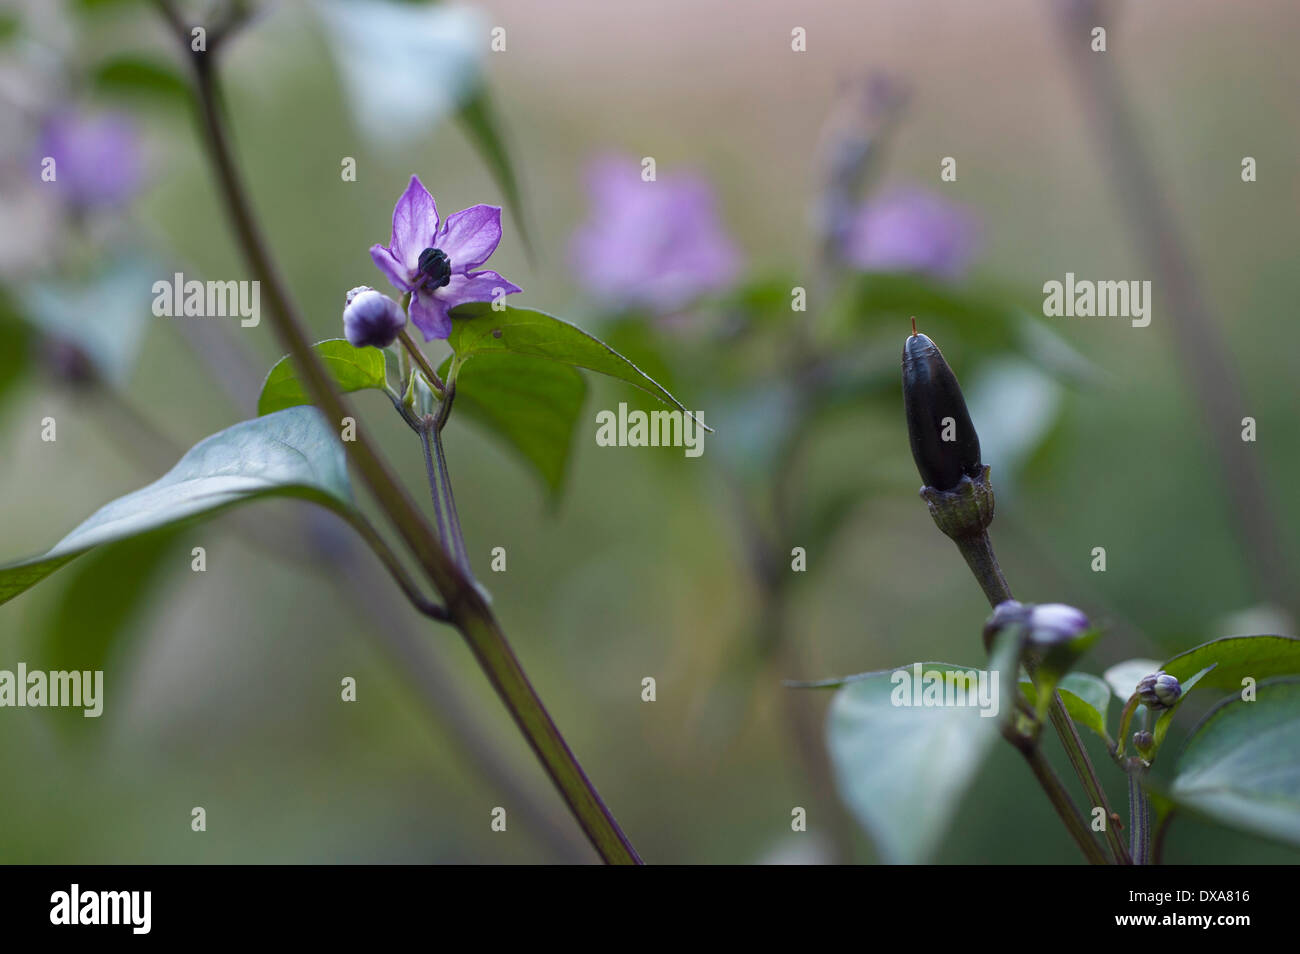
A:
(1191, 323)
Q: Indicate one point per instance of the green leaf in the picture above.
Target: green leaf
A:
(353, 369)
(133, 75)
(1086, 698)
(478, 329)
(292, 453)
(1235, 658)
(903, 769)
(480, 123)
(14, 335)
(1241, 765)
(1124, 677)
(531, 405)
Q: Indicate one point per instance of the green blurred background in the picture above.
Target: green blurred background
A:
(223, 687)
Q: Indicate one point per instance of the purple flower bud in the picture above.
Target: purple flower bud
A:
(1048, 624)
(371, 319)
(1052, 623)
(1159, 690)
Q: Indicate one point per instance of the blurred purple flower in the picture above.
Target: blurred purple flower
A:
(915, 230)
(652, 244)
(434, 264)
(97, 157)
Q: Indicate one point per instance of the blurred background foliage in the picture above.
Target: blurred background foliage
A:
(223, 687)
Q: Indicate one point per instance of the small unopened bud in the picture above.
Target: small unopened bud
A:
(1143, 740)
(371, 319)
(1053, 623)
(1046, 625)
(1159, 690)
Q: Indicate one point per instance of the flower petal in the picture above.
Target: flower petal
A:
(415, 223)
(390, 266)
(477, 286)
(469, 237)
(429, 314)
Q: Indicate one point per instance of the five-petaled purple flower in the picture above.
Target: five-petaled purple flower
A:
(96, 157)
(657, 244)
(435, 264)
(912, 230)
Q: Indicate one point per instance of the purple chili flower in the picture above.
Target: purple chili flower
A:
(912, 229)
(434, 264)
(654, 244)
(371, 319)
(97, 159)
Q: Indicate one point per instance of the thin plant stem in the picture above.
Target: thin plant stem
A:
(431, 472)
(1066, 810)
(414, 350)
(1139, 811)
(1191, 321)
(977, 550)
(466, 606)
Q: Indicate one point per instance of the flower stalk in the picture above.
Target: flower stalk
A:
(464, 604)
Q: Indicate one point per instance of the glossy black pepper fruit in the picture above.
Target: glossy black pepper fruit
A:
(931, 395)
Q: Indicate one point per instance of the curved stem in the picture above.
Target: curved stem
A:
(465, 606)
(414, 350)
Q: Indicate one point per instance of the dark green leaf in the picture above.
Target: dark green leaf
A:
(1235, 658)
(292, 453)
(479, 329)
(1241, 765)
(134, 75)
(531, 405)
(353, 369)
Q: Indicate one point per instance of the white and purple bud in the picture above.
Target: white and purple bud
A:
(1159, 690)
(1046, 624)
(371, 319)
(1054, 623)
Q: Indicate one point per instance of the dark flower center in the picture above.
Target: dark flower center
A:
(435, 268)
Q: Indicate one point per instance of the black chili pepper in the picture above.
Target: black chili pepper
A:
(935, 409)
